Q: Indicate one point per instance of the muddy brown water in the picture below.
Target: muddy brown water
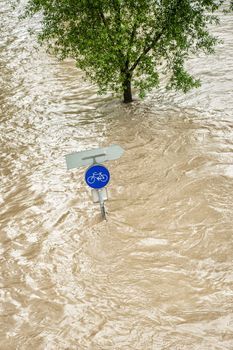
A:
(158, 275)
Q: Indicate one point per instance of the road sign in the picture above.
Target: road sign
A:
(98, 155)
(97, 176)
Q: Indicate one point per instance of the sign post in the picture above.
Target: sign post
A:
(97, 176)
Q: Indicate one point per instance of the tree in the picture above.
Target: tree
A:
(118, 43)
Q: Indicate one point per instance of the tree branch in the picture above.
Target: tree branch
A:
(146, 50)
(105, 24)
(157, 37)
(108, 32)
(132, 36)
(117, 9)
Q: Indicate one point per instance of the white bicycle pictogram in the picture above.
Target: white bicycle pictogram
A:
(97, 177)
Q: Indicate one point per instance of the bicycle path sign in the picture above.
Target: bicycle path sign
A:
(97, 176)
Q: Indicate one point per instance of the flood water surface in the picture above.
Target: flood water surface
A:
(158, 274)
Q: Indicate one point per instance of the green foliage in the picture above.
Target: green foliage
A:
(111, 40)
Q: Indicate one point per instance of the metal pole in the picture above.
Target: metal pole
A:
(102, 208)
(101, 201)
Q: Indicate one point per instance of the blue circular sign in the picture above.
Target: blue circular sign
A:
(97, 176)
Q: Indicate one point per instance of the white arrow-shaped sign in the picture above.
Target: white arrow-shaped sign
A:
(98, 155)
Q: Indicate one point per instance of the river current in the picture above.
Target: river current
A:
(158, 274)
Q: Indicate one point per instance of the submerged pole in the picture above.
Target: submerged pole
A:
(102, 207)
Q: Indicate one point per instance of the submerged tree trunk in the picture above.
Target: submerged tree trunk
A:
(127, 89)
